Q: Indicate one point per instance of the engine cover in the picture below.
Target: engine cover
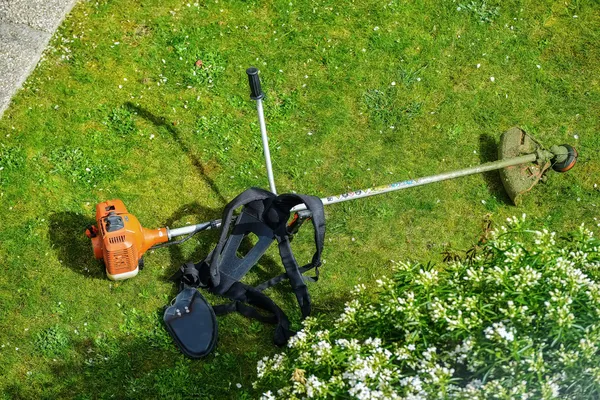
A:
(120, 240)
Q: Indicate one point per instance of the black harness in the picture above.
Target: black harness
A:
(191, 320)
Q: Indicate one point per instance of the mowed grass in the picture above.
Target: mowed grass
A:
(358, 94)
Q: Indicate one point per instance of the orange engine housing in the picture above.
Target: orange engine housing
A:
(120, 240)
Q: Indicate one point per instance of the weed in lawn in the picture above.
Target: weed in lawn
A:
(58, 308)
(206, 69)
(11, 159)
(52, 342)
(217, 133)
(480, 10)
(76, 166)
(120, 121)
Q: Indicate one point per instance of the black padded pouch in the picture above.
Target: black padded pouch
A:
(192, 323)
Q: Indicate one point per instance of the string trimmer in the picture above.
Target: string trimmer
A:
(121, 241)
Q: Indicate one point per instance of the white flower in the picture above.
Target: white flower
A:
(427, 278)
(499, 331)
(314, 387)
(267, 396)
(298, 340)
(321, 350)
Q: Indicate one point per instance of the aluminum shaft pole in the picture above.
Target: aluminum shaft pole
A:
(265, 142)
(187, 230)
(392, 187)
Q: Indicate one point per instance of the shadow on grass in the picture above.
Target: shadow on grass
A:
(161, 122)
(74, 249)
(488, 151)
(207, 239)
(134, 368)
(266, 268)
(139, 360)
(269, 267)
(142, 362)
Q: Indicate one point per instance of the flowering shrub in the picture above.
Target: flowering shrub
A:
(518, 319)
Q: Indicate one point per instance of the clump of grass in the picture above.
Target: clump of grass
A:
(409, 76)
(11, 157)
(385, 109)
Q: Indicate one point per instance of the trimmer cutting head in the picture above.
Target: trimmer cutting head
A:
(519, 179)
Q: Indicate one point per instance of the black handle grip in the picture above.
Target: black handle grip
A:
(256, 92)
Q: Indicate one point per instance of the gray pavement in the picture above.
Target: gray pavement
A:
(26, 26)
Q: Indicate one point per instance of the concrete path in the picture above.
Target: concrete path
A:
(26, 26)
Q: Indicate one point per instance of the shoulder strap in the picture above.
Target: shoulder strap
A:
(246, 197)
(242, 295)
(315, 206)
(283, 204)
(270, 213)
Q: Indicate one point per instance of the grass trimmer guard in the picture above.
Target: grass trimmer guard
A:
(519, 179)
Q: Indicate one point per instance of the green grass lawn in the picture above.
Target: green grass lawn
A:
(358, 93)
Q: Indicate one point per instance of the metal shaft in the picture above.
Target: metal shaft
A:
(265, 142)
(359, 194)
(187, 230)
(392, 187)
